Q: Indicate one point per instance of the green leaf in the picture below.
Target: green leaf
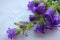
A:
(35, 1)
(55, 7)
(48, 5)
(59, 5)
(42, 20)
(44, 1)
(29, 26)
(37, 16)
(50, 0)
(56, 12)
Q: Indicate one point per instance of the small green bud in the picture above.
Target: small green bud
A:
(18, 31)
(19, 24)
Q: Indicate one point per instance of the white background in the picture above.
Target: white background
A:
(14, 11)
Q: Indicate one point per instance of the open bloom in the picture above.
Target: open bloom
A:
(31, 6)
(50, 26)
(57, 18)
(49, 14)
(39, 28)
(11, 33)
(54, 23)
(40, 8)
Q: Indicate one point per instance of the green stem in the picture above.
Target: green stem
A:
(23, 31)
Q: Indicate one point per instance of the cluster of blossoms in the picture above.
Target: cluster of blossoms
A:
(46, 14)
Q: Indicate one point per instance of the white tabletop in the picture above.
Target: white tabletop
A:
(14, 11)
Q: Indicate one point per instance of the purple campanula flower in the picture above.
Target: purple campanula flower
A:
(57, 18)
(40, 8)
(49, 14)
(11, 33)
(31, 6)
(32, 18)
(54, 22)
(39, 28)
(50, 26)
(49, 19)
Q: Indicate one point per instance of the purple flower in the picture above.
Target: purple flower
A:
(11, 33)
(32, 18)
(40, 8)
(57, 19)
(31, 6)
(50, 26)
(49, 14)
(49, 20)
(53, 22)
(39, 28)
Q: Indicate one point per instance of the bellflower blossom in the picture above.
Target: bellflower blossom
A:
(40, 8)
(11, 33)
(31, 6)
(57, 18)
(49, 14)
(39, 28)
